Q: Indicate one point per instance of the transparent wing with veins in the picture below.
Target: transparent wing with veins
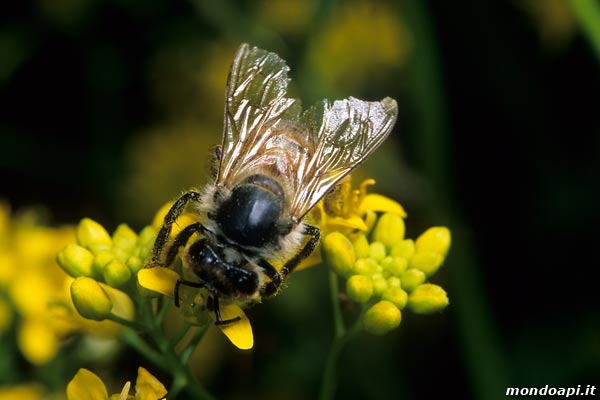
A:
(310, 151)
(255, 101)
(345, 134)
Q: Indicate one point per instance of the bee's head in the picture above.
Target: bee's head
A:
(222, 278)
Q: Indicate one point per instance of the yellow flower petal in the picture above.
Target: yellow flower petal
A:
(28, 391)
(240, 332)
(161, 214)
(147, 387)
(379, 203)
(354, 222)
(310, 261)
(37, 342)
(31, 291)
(86, 385)
(122, 304)
(158, 279)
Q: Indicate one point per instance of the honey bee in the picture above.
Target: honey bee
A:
(275, 163)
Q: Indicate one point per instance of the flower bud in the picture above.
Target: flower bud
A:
(365, 266)
(427, 298)
(124, 238)
(337, 251)
(100, 261)
(396, 265)
(147, 236)
(116, 273)
(120, 254)
(359, 288)
(377, 251)
(382, 318)
(90, 233)
(426, 262)
(90, 300)
(380, 284)
(404, 248)
(394, 281)
(435, 240)
(361, 247)
(76, 260)
(389, 229)
(395, 295)
(411, 278)
(135, 264)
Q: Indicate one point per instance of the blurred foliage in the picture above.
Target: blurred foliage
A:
(109, 109)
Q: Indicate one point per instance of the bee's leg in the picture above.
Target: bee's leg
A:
(315, 234)
(180, 282)
(219, 319)
(170, 218)
(181, 239)
(276, 280)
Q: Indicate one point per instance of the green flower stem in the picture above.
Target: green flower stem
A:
(341, 337)
(185, 328)
(133, 340)
(163, 309)
(125, 322)
(162, 354)
(338, 320)
(186, 354)
(330, 374)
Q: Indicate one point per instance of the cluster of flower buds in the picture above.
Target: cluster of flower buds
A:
(386, 272)
(105, 268)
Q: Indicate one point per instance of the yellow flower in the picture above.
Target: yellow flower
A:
(31, 281)
(29, 391)
(86, 385)
(364, 243)
(349, 31)
(291, 17)
(193, 304)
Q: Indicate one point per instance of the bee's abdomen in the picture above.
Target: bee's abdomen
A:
(249, 217)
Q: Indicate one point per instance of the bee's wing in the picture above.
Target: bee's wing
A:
(254, 101)
(312, 151)
(344, 134)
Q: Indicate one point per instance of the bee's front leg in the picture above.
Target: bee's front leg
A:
(165, 230)
(180, 282)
